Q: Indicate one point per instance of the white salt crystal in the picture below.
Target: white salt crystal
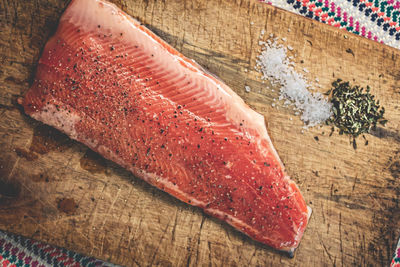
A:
(247, 88)
(274, 64)
(287, 102)
(284, 39)
(262, 32)
(305, 70)
(290, 48)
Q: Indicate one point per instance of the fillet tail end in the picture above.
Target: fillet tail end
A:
(290, 252)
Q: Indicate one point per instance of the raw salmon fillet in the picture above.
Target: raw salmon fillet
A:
(110, 83)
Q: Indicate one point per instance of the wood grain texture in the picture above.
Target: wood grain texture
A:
(117, 217)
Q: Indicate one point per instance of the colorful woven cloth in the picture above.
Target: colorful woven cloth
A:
(18, 251)
(396, 257)
(374, 19)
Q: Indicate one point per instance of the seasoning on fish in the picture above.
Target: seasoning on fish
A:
(110, 83)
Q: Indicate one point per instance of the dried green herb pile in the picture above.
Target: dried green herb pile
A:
(354, 111)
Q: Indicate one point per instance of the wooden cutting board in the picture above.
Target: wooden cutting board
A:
(55, 190)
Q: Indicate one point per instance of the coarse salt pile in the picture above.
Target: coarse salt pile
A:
(275, 66)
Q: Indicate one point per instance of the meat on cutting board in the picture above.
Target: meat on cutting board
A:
(110, 83)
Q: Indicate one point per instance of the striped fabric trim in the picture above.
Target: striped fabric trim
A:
(19, 251)
(396, 257)
(373, 19)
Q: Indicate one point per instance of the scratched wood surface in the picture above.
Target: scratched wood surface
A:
(55, 190)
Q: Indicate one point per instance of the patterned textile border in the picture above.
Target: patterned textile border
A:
(396, 257)
(378, 20)
(18, 251)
